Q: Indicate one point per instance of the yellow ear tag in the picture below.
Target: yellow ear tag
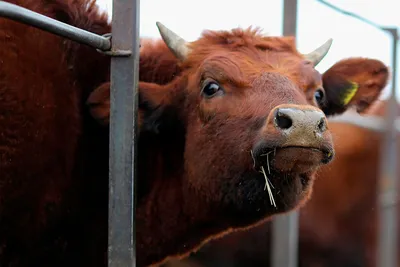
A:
(349, 94)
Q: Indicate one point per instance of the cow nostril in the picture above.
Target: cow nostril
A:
(322, 125)
(283, 121)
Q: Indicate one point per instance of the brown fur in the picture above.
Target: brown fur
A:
(49, 206)
(196, 179)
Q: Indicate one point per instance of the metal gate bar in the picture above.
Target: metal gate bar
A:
(284, 239)
(374, 123)
(123, 135)
(387, 189)
(28, 17)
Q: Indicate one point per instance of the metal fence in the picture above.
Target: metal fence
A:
(123, 46)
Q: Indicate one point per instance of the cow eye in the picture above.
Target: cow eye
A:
(211, 89)
(319, 96)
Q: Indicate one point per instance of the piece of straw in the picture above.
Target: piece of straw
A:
(267, 186)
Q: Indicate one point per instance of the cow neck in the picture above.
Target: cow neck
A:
(167, 207)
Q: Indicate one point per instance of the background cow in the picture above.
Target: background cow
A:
(340, 226)
(207, 126)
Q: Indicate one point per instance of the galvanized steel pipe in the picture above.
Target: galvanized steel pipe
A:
(31, 18)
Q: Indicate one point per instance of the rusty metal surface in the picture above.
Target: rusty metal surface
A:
(26, 16)
(123, 135)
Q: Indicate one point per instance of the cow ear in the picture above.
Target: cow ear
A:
(353, 82)
(156, 109)
(99, 104)
(153, 102)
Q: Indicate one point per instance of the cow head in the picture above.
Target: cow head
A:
(250, 110)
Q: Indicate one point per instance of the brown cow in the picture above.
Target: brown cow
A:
(206, 122)
(338, 225)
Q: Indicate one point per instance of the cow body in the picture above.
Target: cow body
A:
(51, 187)
(210, 112)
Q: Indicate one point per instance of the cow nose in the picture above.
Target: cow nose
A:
(291, 117)
(298, 125)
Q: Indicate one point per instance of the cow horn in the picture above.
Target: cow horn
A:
(175, 43)
(318, 54)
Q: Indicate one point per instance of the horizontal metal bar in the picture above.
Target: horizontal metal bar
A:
(26, 16)
(373, 123)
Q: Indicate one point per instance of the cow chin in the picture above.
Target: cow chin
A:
(290, 174)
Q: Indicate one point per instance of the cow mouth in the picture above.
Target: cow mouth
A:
(288, 172)
(293, 159)
(278, 180)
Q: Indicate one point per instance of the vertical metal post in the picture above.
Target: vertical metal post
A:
(285, 227)
(289, 17)
(123, 136)
(285, 240)
(387, 195)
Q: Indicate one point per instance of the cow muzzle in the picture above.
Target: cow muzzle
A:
(299, 138)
